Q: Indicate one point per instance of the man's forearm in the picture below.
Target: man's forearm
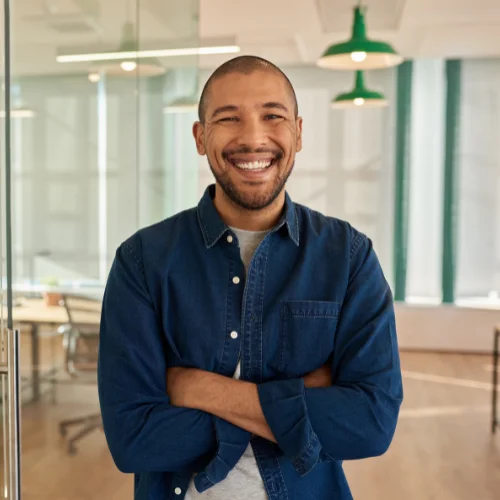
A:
(233, 400)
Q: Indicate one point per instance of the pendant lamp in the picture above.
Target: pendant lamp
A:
(131, 66)
(359, 97)
(359, 52)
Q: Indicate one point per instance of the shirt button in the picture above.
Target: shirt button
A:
(177, 491)
(229, 239)
(236, 280)
(234, 335)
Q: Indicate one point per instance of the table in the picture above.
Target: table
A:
(35, 313)
(494, 406)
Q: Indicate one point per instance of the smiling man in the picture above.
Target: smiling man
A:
(248, 345)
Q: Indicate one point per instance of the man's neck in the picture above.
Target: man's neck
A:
(250, 220)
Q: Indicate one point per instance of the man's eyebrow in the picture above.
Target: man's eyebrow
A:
(278, 105)
(222, 109)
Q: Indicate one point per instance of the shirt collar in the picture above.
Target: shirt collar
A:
(212, 226)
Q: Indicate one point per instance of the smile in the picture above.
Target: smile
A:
(252, 165)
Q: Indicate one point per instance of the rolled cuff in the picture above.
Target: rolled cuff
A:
(284, 406)
(232, 443)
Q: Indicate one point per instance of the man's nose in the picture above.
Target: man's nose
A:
(252, 133)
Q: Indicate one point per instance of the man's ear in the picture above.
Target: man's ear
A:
(199, 137)
(299, 133)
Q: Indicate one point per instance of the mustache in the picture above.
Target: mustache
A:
(227, 153)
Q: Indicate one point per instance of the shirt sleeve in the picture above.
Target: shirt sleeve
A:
(356, 417)
(145, 433)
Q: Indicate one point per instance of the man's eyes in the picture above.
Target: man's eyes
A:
(229, 119)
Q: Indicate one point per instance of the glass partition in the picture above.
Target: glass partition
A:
(101, 146)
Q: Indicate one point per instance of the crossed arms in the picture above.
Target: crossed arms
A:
(164, 423)
(232, 400)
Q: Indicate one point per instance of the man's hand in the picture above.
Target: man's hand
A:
(322, 377)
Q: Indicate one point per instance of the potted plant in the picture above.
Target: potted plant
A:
(51, 298)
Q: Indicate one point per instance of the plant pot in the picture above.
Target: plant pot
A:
(52, 299)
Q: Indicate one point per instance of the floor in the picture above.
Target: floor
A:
(442, 450)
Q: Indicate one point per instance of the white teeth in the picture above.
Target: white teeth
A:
(254, 165)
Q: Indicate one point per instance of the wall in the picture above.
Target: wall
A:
(446, 327)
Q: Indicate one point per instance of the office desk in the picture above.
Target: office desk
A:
(34, 313)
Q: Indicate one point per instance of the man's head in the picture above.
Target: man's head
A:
(249, 129)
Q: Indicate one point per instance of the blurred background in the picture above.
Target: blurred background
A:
(96, 113)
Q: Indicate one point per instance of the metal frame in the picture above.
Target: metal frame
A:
(12, 416)
(494, 396)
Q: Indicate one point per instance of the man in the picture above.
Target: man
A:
(248, 286)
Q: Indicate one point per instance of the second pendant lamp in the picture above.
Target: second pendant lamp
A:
(359, 96)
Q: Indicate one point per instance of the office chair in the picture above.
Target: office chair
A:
(80, 342)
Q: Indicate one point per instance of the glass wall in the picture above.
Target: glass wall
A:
(96, 150)
(99, 149)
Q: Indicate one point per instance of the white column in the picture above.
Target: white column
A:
(426, 181)
(102, 178)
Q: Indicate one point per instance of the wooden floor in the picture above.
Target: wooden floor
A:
(443, 449)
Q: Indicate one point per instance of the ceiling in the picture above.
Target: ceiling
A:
(288, 32)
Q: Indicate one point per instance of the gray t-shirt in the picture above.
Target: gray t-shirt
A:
(244, 481)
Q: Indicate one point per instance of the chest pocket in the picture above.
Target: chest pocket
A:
(307, 335)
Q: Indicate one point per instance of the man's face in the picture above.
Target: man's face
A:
(250, 136)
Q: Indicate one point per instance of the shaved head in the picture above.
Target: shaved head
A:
(244, 65)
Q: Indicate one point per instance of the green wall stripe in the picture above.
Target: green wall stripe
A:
(452, 123)
(402, 181)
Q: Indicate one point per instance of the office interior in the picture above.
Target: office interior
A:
(98, 147)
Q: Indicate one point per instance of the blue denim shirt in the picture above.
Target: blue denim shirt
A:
(314, 293)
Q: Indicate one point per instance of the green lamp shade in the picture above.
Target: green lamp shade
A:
(359, 97)
(359, 52)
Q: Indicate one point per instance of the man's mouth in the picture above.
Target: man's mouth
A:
(255, 165)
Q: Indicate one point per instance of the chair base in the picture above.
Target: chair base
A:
(89, 423)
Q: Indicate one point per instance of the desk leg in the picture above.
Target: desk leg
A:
(35, 362)
(494, 416)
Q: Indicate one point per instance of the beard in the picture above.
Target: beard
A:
(258, 201)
